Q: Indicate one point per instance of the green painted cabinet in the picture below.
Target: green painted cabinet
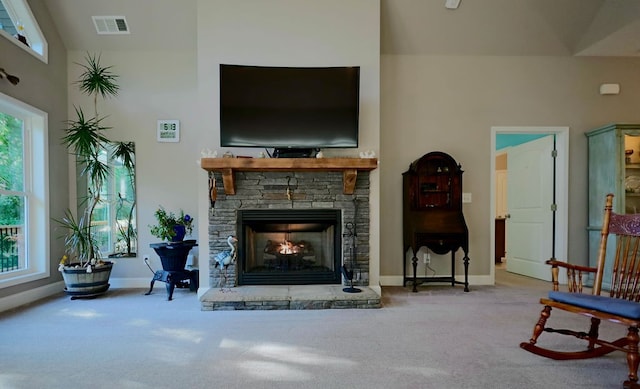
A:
(614, 167)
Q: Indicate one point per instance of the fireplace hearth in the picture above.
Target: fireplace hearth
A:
(305, 249)
(289, 246)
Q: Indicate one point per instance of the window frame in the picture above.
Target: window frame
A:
(36, 234)
(19, 12)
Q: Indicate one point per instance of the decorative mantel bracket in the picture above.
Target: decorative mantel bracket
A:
(348, 166)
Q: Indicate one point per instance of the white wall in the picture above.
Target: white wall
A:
(153, 85)
(450, 103)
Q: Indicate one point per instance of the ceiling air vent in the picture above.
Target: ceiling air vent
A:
(110, 25)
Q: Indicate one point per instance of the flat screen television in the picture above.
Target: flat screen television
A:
(289, 107)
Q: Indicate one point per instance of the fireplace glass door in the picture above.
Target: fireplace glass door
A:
(289, 247)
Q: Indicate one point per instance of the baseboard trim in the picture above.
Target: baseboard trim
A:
(130, 283)
(473, 280)
(30, 296)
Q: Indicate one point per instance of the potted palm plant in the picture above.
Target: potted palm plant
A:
(84, 271)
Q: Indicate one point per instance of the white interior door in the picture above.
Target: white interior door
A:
(529, 200)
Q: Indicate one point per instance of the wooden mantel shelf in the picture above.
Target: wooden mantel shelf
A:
(348, 166)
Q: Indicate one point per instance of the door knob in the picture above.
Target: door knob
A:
(507, 216)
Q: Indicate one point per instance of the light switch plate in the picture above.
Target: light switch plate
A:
(466, 197)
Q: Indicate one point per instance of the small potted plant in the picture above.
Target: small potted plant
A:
(171, 227)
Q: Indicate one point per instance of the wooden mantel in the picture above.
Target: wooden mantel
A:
(348, 166)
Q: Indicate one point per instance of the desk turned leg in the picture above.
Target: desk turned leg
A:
(466, 272)
(414, 263)
(453, 268)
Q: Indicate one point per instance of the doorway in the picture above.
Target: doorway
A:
(557, 236)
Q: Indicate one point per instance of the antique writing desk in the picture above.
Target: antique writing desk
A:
(432, 214)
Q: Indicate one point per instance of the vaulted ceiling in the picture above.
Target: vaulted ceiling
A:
(411, 27)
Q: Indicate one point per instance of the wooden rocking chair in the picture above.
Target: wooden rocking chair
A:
(620, 306)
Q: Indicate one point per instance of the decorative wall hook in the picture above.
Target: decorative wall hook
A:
(290, 189)
(11, 78)
(213, 192)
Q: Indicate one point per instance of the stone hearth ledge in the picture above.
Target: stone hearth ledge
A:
(272, 297)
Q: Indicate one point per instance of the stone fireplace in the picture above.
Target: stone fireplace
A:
(296, 224)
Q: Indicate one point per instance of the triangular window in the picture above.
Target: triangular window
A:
(18, 24)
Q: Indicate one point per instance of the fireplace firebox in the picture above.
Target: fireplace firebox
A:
(289, 246)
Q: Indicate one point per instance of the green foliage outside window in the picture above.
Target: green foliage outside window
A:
(11, 190)
(11, 169)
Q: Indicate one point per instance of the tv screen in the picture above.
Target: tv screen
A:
(289, 107)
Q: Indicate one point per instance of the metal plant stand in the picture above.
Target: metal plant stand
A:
(174, 259)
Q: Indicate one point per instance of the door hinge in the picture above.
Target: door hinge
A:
(554, 153)
(554, 207)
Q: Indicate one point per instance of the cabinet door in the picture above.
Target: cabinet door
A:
(437, 182)
(604, 173)
(631, 184)
(603, 162)
(434, 190)
(609, 172)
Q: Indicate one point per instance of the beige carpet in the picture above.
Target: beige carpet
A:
(440, 337)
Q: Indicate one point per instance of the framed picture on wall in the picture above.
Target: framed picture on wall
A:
(168, 131)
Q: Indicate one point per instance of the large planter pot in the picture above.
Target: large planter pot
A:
(80, 284)
(173, 255)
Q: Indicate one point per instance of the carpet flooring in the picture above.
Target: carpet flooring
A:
(440, 337)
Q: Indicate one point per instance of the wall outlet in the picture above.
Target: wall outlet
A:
(426, 258)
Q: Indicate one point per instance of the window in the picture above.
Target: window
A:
(114, 217)
(24, 216)
(19, 26)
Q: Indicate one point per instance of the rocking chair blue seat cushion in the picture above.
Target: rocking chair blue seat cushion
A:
(613, 306)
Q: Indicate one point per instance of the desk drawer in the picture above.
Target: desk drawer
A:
(439, 244)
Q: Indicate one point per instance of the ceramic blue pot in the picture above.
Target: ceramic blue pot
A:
(180, 233)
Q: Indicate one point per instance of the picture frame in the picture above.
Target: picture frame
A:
(168, 131)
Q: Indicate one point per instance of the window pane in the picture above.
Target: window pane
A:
(125, 201)
(24, 204)
(12, 204)
(12, 249)
(101, 227)
(11, 153)
(18, 24)
(114, 217)
(5, 21)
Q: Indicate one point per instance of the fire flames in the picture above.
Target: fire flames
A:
(287, 247)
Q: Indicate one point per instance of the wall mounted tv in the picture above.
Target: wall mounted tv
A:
(289, 107)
